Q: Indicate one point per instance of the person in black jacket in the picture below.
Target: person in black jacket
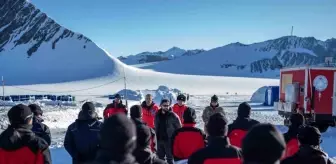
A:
(18, 144)
(166, 122)
(263, 144)
(39, 128)
(143, 153)
(240, 126)
(118, 141)
(310, 151)
(291, 136)
(82, 137)
(219, 149)
(136, 116)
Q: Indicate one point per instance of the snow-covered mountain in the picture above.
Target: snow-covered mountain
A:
(148, 57)
(35, 49)
(262, 59)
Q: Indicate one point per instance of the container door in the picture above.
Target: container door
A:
(269, 94)
(334, 96)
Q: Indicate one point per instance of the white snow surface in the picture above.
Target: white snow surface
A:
(302, 50)
(59, 118)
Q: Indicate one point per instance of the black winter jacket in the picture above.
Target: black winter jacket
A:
(41, 129)
(308, 155)
(82, 139)
(14, 139)
(166, 123)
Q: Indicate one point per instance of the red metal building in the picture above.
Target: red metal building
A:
(310, 91)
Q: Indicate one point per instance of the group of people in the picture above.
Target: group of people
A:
(158, 134)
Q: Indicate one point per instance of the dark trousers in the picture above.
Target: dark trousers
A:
(164, 150)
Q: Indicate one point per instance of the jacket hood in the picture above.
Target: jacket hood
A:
(14, 138)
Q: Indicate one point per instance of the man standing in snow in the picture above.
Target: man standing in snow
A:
(117, 141)
(219, 150)
(143, 152)
(149, 109)
(310, 151)
(40, 129)
(116, 107)
(18, 144)
(180, 106)
(240, 126)
(291, 137)
(187, 139)
(82, 137)
(210, 110)
(136, 116)
(166, 122)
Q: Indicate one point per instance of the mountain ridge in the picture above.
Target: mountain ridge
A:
(260, 59)
(35, 49)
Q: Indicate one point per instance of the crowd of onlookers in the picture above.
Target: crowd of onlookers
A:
(164, 133)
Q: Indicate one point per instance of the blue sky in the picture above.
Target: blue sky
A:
(125, 27)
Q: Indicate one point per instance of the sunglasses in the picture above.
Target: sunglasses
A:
(165, 105)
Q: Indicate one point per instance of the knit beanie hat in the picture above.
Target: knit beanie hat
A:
(244, 110)
(214, 98)
(88, 112)
(263, 144)
(19, 115)
(189, 116)
(35, 109)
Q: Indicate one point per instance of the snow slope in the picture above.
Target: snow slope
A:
(35, 49)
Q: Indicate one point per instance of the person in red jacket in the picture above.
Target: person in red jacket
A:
(180, 106)
(240, 126)
(291, 137)
(18, 143)
(149, 110)
(188, 139)
(116, 107)
(219, 149)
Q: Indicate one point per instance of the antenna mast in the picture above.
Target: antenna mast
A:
(292, 30)
(3, 91)
(125, 86)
